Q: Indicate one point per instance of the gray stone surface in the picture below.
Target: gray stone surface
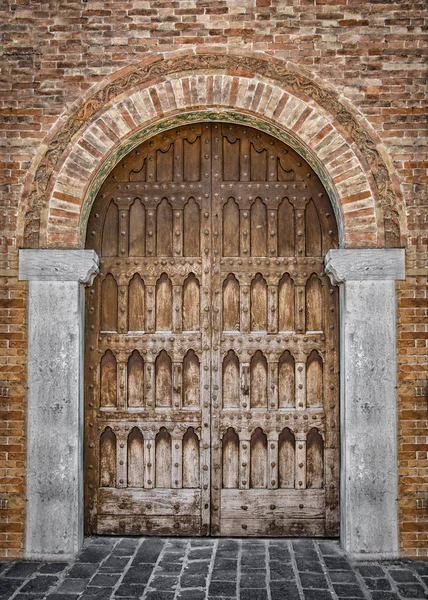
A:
(58, 265)
(54, 527)
(281, 569)
(55, 423)
(369, 521)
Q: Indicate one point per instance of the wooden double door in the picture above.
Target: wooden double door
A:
(211, 390)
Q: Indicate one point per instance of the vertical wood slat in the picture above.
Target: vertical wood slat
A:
(123, 233)
(150, 307)
(245, 160)
(300, 317)
(272, 309)
(300, 461)
(332, 500)
(149, 461)
(272, 169)
(205, 443)
(178, 227)
(177, 384)
(205, 316)
(245, 233)
(121, 383)
(272, 231)
(245, 316)
(178, 159)
(151, 167)
(209, 435)
(273, 385)
(212, 344)
(299, 220)
(177, 308)
(121, 460)
(92, 378)
(273, 463)
(331, 408)
(151, 231)
(331, 365)
(300, 379)
(123, 308)
(215, 312)
(245, 385)
(244, 463)
(149, 383)
(177, 463)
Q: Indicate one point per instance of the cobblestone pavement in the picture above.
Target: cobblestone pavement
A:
(207, 568)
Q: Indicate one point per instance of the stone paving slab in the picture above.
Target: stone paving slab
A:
(213, 569)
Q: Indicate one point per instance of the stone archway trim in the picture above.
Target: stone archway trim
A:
(364, 204)
(113, 134)
(260, 84)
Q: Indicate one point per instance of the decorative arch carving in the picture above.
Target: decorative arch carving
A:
(321, 126)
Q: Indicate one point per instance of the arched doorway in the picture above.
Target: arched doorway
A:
(211, 377)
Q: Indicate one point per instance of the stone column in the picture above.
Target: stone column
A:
(55, 399)
(369, 519)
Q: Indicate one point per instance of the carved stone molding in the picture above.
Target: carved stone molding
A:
(365, 264)
(58, 265)
(160, 69)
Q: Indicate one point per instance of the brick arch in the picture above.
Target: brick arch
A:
(262, 92)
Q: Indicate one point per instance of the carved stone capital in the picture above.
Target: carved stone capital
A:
(365, 264)
(58, 265)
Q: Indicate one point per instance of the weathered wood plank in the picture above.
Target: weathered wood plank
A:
(149, 502)
(284, 504)
(273, 527)
(165, 526)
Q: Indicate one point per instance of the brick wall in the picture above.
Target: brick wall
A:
(372, 53)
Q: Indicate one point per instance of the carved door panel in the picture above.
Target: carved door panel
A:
(211, 348)
(148, 344)
(275, 377)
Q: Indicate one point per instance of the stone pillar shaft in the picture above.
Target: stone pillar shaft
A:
(369, 519)
(55, 399)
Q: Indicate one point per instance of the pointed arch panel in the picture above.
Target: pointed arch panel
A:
(258, 381)
(163, 378)
(135, 459)
(190, 461)
(191, 304)
(108, 458)
(136, 304)
(108, 380)
(135, 380)
(163, 460)
(230, 459)
(259, 457)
